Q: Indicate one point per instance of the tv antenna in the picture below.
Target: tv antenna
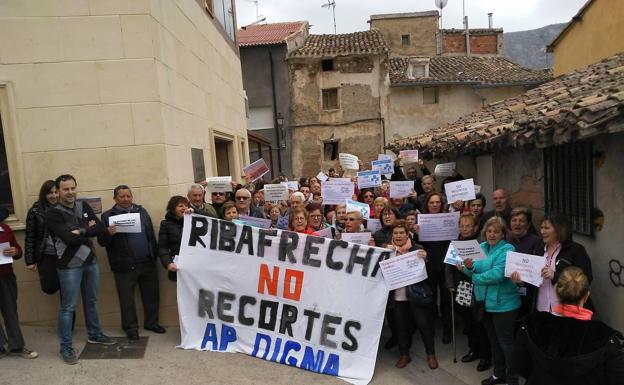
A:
(257, 6)
(440, 4)
(331, 4)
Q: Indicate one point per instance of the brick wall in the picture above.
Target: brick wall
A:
(479, 44)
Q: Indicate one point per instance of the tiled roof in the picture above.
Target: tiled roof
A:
(467, 69)
(268, 34)
(579, 105)
(356, 43)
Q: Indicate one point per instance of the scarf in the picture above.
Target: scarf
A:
(574, 311)
(400, 250)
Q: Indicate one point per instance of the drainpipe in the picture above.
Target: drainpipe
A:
(275, 125)
(467, 30)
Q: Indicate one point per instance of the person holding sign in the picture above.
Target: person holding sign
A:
(559, 251)
(436, 250)
(460, 286)
(10, 250)
(498, 297)
(170, 234)
(131, 257)
(567, 347)
(407, 307)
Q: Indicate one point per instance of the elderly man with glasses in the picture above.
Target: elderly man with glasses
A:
(243, 204)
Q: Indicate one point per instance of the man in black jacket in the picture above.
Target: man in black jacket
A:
(71, 226)
(131, 256)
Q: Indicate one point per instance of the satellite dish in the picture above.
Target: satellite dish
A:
(441, 3)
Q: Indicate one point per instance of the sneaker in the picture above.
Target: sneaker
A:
(68, 354)
(3, 352)
(493, 380)
(25, 353)
(100, 339)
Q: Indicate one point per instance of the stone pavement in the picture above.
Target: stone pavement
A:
(164, 364)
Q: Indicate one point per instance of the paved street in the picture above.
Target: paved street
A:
(164, 364)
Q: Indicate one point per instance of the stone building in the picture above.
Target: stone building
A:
(337, 86)
(137, 92)
(437, 75)
(263, 52)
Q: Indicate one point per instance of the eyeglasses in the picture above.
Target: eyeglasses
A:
(242, 198)
(351, 219)
(316, 216)
(388, 214)
(218, 193)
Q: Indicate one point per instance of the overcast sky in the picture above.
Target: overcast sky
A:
(351, 15)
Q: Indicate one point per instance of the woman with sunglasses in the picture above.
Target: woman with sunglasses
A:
(367, 196)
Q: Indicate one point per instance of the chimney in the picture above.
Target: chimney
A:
(490, 20)
(467, 33)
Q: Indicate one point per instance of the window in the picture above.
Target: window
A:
(405, 40)
(331, 150)
(327, 65)
(430, 95)
(261, 118)
(330, 99)
(199, 168)
(6, 196)
(222, 152)
(568, 181)
(224, 13)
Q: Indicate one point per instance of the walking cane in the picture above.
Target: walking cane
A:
(453, 328)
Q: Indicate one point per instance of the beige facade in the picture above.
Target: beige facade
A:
(408, 114)
(114, 92)
(593, 34)
(409, 34)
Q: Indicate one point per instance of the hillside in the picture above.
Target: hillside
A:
(528, 48)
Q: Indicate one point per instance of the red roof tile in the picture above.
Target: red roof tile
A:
(356, 43)
(268, 34)
(579, 105)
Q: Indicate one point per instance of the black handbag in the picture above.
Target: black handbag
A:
(419, 293)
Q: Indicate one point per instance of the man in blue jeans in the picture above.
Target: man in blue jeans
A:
(72, 225)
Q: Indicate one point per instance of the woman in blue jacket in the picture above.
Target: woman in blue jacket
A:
(500, 297)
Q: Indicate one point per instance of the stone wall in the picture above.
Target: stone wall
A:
(113, 92)
(422, 32)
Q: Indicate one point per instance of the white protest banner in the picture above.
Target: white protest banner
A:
(219, 184)
(445, 169)
(438, 227)
(325, 233)
(335, 192)
(126, 223)
(367, 179)
(256, 170)
(275, 192)
(293, 185)
(385, 156)
(321, 176)
(462, 190)
(340, 180)
(260, 223)
(468, 249)
(409, 155)
(403, 270)
(358, 238)
(477, 189)
(363, 208)
(4, 260)
(401, 189)
(373, 225)
(280, 310)
(528, 266)
(348, 161)
(384, 166)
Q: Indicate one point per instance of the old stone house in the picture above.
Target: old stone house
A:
(143, 93)
(337, 86)
(437, 75)
(263, 51)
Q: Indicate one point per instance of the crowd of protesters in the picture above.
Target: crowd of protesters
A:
(547, 334)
